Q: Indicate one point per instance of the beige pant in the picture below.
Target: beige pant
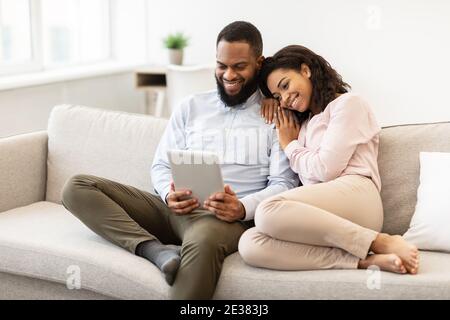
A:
(321, 226)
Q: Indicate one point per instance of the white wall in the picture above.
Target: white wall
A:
(27, 109)
(395, 53)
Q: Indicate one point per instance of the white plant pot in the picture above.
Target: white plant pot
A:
(176, 56)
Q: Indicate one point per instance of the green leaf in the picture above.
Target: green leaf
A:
(176, 41)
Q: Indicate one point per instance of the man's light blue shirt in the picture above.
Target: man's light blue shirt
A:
(251, 159)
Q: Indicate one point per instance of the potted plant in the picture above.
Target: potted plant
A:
(175, 43)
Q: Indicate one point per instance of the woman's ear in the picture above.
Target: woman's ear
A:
(305, 70)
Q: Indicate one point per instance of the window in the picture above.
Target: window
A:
(75, 31)
(15, 34)
(48, 34)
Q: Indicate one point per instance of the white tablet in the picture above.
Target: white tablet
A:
(198, 171)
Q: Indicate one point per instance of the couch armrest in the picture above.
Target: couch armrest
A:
(23, 169)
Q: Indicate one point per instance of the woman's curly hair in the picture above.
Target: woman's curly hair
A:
(326, 82)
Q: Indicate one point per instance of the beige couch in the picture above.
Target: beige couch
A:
(44, 249)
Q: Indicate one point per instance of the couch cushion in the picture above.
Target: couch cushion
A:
(240, 281)
(45, 241)
(398, 162)
(111, 144)
(16, 287)
(120, 146)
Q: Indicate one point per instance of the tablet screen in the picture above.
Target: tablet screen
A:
(198, 171)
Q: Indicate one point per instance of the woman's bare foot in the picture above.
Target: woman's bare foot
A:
(386, 262)
(408, 253)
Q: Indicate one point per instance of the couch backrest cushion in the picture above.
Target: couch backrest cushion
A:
(398, 161)
(120, 146)
(111, 144)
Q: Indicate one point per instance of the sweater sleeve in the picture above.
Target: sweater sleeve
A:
(351, 123)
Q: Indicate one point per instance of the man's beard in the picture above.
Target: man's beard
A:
(247, 90)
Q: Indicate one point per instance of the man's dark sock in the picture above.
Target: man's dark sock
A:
(165, 257)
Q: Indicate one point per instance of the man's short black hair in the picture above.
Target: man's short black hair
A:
(245, 32)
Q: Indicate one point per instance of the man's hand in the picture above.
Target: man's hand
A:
(177, 205)
(268, 108)
(225, 205)
(288, 127)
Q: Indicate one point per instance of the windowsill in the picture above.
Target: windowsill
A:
(65, 74)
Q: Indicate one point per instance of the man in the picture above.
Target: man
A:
(226, 121)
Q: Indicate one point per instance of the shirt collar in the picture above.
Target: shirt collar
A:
(255, 98)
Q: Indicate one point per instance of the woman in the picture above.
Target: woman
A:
(331, 139)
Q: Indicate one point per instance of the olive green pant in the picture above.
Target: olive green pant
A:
(127, 216)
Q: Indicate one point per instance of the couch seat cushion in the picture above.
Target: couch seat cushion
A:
(240, 281)
(45, 241)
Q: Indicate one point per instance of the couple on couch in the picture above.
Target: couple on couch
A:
(309, 129)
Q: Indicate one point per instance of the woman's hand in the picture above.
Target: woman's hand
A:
(287, 125)
(268, 108)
